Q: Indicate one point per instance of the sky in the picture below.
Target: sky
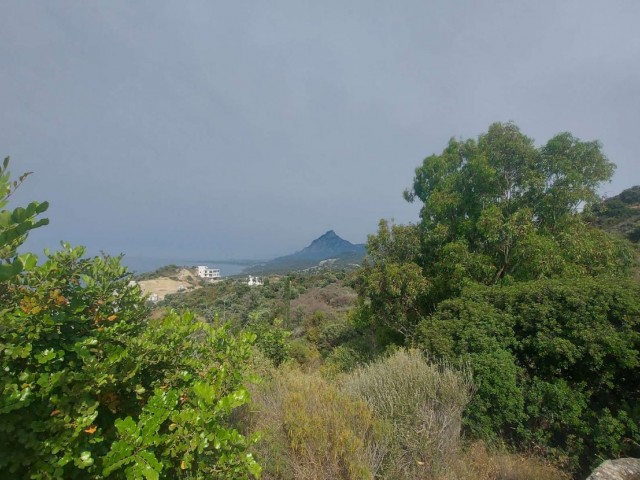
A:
(247, 129)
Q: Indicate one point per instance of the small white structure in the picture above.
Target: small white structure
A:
(254, 281)
(208, 273)
(154, 298)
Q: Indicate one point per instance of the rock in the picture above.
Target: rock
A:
(620, 469)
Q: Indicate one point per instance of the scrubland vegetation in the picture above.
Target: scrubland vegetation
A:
(496, 338)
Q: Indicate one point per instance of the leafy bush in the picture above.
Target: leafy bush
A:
(15, 225)
(335, 333)
(79, 359)
(89, 388)
(272, 340)
(423, 402)
(342, 359)
(305, 354)
(556, 363)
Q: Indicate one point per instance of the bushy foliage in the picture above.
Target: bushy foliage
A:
(495, 210)
(89, 388)
(272, 340)
(556, 363)
(305, 354)
(392, 281)
(312, 430)
(342, 359)
(477, 462)
(15, 225)
(400, 418)
(79, 359)
(505, 272)
(422, 402)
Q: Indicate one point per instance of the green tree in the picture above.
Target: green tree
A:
(503, 273)
(501, 208)
(392, 279)
(272, 340)
(495, 210)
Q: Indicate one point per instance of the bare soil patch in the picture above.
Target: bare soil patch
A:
(184, 281)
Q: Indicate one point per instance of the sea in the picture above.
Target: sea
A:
(140, 265)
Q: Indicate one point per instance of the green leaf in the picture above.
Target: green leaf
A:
(150, 466)
(85, 460)
(46, 356)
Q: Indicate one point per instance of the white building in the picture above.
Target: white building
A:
(253, 281)
(208, 273)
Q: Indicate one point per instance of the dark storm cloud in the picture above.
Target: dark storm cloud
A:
(246, 129)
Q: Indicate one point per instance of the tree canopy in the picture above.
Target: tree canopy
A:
(504, 273)
(496, 209)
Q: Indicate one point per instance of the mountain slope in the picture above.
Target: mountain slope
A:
(621, 214)
(328, 249)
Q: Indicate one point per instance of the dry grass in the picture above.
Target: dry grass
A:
(398, 418)
(310, 430)
(423, 402)
(477, 463)
(332, 300)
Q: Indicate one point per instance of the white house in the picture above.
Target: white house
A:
(208, 273)
(253, 281)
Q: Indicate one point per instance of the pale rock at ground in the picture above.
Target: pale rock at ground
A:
(620, 469)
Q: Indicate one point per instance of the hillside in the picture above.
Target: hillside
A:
(621, 214)
(168, 280)
(328, 250)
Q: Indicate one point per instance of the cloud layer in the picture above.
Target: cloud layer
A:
(246, 129)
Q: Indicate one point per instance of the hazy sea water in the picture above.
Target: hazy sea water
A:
(150, 264)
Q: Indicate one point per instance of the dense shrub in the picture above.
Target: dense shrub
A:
(423, 402)
(556, 363)
(342, 359)
(313, 431)
(305, 354)
(89, 388)
(272, 340)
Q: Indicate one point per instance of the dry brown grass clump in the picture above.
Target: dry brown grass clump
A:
(331, 300)
(398, 418)
(478, 463)
(310, 430)
(422, 402)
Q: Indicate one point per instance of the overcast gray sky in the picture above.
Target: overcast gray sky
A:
(247, 129)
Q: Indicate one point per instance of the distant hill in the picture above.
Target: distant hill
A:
(328, 250)
(621, 214)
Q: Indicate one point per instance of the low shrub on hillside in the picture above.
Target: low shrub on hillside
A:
(313, 431)
(342, 359)
(423, 402)
(90, 388)
(477, 462)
